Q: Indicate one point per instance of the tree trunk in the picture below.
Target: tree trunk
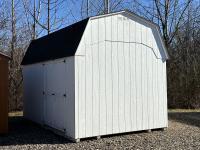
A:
(48, 18)
(106, 6)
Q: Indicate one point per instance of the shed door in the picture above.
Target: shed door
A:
(55, 99)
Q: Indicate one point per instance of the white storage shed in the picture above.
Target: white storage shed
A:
(103, 75)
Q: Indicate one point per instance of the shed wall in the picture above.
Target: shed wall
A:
(120, 78)
(3, 94)
(49, 94)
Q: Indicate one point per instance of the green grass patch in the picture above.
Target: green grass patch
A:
(15, 114)
(183, 110)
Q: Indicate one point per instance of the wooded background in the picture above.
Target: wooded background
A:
(24, 20)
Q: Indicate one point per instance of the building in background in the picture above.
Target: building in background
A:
(4, 93)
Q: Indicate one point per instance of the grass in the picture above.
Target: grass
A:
(183, 110)
(15, 114)
(20, 113)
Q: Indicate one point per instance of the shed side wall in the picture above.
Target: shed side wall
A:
(120, 78)
(33, 82)
(49, 94)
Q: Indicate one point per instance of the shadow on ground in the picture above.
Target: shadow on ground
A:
(23, 132)
(189, 118)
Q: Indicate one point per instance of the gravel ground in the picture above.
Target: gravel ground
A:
(183, 133)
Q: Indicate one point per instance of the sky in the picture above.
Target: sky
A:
(68, 11)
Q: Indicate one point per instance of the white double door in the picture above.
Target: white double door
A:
(55, 95)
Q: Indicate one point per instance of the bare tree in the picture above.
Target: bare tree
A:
(167, 13)
(33, 17)
(48, 18)
(34, 21)
(52, 22)
(179, 21)
(184, 67)
(106, 6)
(3, 28)
(14, 67)
(96, 7)
(13, 28)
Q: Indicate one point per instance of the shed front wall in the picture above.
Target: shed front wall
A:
(120, 78)
(3, 95)
(49, 94)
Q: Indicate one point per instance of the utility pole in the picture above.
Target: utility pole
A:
(88, 4)
(13, 43)
(48, 19)
(189, 46)
(34, 21)
(106, 7)
(13, 27)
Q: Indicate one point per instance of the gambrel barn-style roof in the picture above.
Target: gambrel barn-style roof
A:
(104, 75)
(61, 43)
(64, 42)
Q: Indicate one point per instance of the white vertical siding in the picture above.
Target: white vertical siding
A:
(54, 91)
(69, 83)
(89, 91)
(127, 81)
(45, 85)
(133, 103)
(139, 80)
(165, 95)
(121, 74)
(102, 75)
(33, 92)
(95, 78)
(115, 78)
(120, 79)
(108, 75)
(150, 83)
(80, 87)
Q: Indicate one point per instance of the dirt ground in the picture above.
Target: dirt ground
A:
(183, 133)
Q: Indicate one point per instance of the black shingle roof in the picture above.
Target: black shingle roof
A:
(59, 44)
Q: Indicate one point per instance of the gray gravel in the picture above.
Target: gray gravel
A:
(183, 133)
